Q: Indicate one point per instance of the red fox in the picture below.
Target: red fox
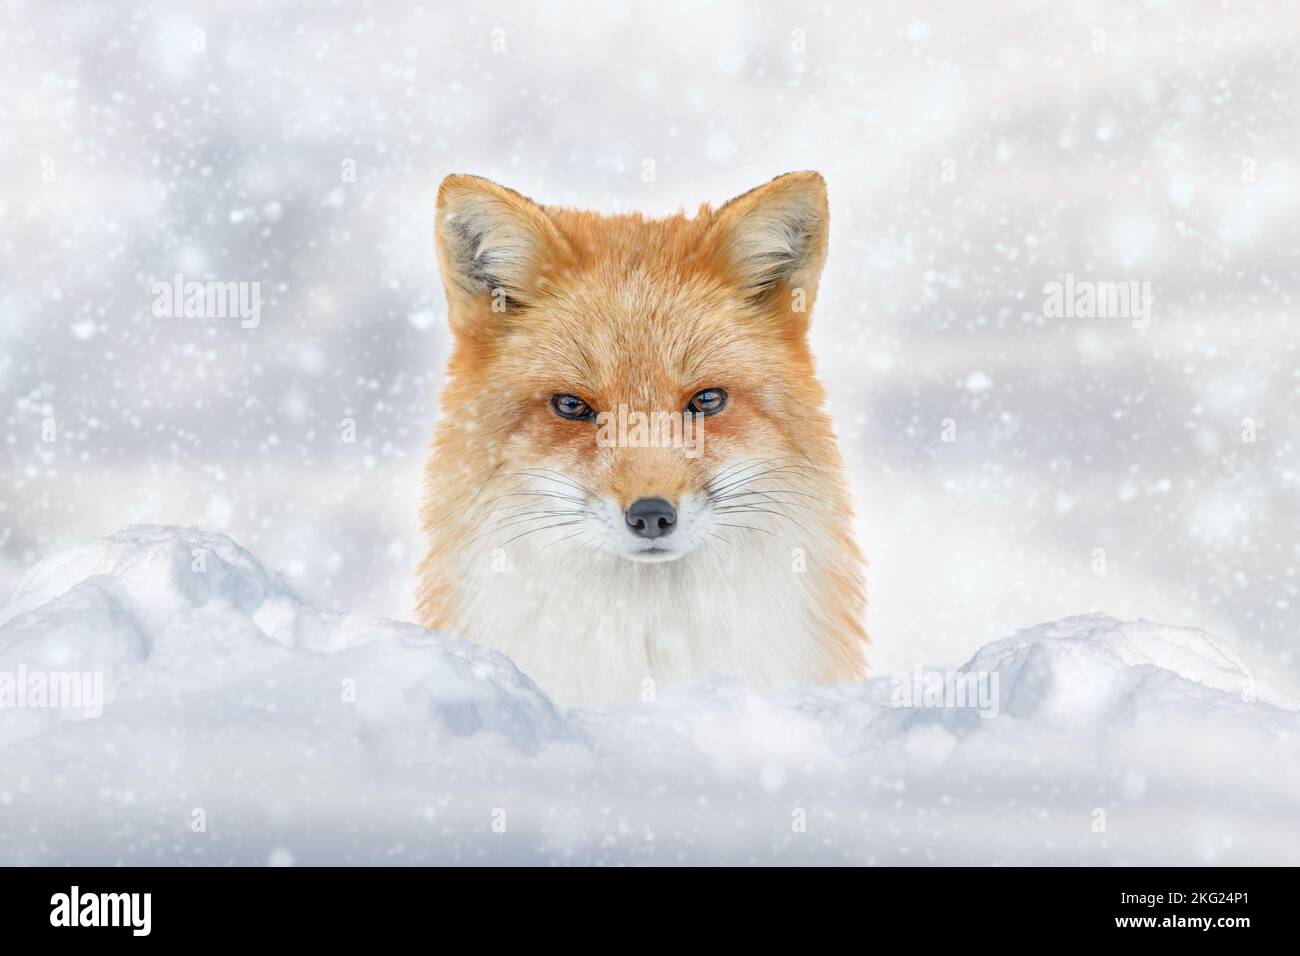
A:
(633, 484)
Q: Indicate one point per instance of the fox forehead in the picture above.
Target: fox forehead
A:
(641, 327)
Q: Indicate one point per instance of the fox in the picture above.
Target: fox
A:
(609, 559)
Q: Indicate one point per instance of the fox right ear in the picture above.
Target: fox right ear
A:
(493, 243)
(775, 234)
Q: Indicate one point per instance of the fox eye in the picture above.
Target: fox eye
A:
(708, 402)
(571, 406)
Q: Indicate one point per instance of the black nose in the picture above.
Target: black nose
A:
(651, 517)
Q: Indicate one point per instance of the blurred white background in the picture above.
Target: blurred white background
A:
(974, 152)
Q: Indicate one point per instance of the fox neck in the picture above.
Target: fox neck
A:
(593, 629)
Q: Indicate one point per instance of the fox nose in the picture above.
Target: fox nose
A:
(651, 517)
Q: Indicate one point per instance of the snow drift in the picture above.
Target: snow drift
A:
(242, 724)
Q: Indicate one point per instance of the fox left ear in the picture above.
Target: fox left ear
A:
(494, 246)
(775, 235)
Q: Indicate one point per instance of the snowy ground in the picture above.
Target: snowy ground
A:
(296, 734)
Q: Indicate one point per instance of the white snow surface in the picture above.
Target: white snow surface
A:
(310, 736)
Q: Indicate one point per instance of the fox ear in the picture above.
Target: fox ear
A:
(493, 243)
(775, 235)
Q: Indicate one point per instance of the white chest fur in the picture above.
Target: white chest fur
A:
(593, 629)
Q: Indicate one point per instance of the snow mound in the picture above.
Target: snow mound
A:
(178, 613)
(1094, 667)
(241, 724)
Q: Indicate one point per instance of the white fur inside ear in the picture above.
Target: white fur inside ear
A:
(779, 235)
(490, 245)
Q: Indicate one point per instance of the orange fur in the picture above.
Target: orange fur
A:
(626, 310)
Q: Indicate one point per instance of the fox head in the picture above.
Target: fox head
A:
(640, 387)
